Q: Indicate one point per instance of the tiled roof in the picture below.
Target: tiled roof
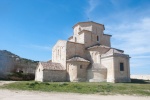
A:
(97, 45)
(107, 34)
(88, 22)
(49, 61)
(84, 31)
(111, 51)
(114, 51)
(70, 37)
(78, 59)
(52, 66)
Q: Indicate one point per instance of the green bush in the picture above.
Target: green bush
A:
(17, 76)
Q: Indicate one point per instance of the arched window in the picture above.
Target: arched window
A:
(79, 29)
(97, 38)
(80, 66)
(121, 66)
(58, 52)
(55, 54)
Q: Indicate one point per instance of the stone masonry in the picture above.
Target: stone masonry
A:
(85, 56)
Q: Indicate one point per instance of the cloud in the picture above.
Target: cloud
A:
(92, 4)
(134, 39)
(129, 27)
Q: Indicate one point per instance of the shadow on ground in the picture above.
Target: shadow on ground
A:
(140, 81)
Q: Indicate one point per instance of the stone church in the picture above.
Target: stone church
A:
(87, 56)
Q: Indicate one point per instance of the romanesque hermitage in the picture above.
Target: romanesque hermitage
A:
(87, 56)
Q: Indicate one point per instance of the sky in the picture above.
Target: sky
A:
(30, 28)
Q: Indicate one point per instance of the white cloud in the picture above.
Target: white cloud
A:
(92, 5)
(129, 27)
(134, 38)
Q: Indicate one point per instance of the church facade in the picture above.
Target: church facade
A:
(87, 56)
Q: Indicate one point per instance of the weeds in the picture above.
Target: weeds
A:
(83, 87)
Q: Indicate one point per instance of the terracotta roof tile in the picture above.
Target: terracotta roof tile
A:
(78, 59)
(52, 66)
(97, 45)
(87, 22)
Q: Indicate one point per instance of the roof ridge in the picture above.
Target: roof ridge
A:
(78, 58)
(52, 66)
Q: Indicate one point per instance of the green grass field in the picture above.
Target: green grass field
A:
(83, 87)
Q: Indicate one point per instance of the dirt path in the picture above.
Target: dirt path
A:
(30, 95)
(5, 82)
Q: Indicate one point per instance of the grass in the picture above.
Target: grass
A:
(83, 87)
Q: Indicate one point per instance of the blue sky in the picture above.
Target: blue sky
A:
(30, 28)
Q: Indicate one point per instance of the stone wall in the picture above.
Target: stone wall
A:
(84, 26)
(39, 73)
(109, 64)
(90, 34)
(94, 54)
(77, 71)
(91, 39)
(59, 53)
(75, 49)
(72, 72)
(122, 76)
(113, 68)
(80, 38)
(97, 75)
(87, 38)
(105, 40)
(54, 75)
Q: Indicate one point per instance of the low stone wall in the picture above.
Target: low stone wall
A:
(54, 75)
(144, 77)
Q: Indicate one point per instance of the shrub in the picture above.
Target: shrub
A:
(17, 76)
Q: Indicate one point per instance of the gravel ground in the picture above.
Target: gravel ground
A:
(5, 82)
(32, 95)
(35, 95)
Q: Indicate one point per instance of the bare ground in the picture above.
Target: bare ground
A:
(5, 82)
(35, 95)
(29, 95)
